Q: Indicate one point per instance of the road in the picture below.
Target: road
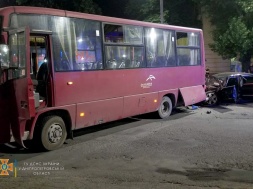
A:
(201, 148)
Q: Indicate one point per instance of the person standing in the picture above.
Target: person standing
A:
(251, 67)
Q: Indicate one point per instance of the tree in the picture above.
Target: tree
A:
(87, 6)
(233, 28)
(6, 3)
(114, 8)
(144, 10)
(176, 12)
(42, 3)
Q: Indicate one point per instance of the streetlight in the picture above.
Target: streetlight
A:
(161, 10)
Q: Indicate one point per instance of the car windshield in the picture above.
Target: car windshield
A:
(225, 75)
(221, 77)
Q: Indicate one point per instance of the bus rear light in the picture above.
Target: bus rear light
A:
(70, 83)
(82, 114)
(155, 101)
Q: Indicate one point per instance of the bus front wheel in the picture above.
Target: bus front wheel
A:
(165, 108)
(52, 133)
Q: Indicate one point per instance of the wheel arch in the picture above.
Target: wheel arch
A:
(63, 113)
(172, 98)
(172, 94)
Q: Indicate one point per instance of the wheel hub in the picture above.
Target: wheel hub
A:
(212, 98)
(55, 133)
(164, 107)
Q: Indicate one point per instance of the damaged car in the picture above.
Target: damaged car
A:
(228, 86)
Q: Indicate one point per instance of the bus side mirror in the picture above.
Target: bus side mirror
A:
(4, 56)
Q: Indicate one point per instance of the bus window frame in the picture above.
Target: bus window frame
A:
(19, 69)
(122, 44)
(1, 27)
(200, 63)
(174, 47)
(122, 25)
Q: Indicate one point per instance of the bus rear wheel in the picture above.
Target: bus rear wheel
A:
(165, 108)
(52, 133)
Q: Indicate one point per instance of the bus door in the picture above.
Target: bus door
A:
(39, 67)
(20, 84)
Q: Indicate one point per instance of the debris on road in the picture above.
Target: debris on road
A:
(192, 107)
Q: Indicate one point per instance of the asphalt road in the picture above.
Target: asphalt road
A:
(201, 148)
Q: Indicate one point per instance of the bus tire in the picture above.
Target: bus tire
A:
(165, 108)
(52, 133)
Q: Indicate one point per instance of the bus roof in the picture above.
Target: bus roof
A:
(64, 13)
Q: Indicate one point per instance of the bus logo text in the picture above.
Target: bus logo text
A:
(148, 84)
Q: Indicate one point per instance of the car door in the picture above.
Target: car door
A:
(247, 88)
(229, 89)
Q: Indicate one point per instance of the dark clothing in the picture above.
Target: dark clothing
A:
(43, 72)
(251, 69)
(42, 80)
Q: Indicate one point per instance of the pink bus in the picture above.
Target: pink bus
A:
(62, 71)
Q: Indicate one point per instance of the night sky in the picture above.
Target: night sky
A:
(114, 8)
